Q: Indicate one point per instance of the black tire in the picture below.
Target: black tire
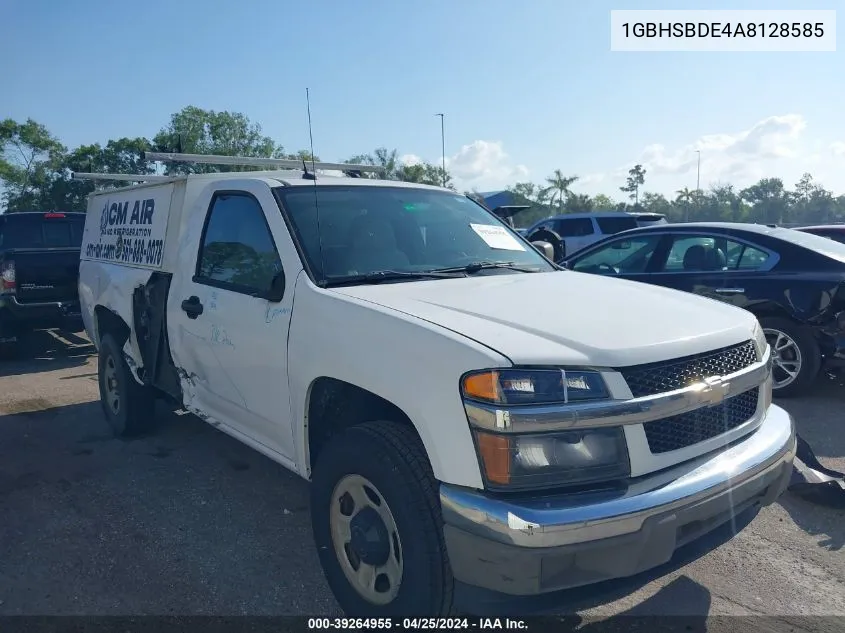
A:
(547, 235)
(391, 457)
(131, 412)
(808, 348)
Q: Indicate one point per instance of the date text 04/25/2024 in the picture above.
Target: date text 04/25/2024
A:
(417, 624)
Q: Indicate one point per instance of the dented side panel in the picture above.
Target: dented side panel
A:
(110, 286)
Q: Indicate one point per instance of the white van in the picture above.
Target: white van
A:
(579, 230)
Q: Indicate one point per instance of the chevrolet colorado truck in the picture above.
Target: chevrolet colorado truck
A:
(468, 413)
(39, 272)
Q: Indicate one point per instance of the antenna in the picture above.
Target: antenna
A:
(314, 177)
(310, 133)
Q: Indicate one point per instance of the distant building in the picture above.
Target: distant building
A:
(503, 198)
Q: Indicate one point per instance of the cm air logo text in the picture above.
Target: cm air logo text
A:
(116, 215)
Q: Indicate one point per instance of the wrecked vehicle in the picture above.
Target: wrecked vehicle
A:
(468, 414)
(793, 282)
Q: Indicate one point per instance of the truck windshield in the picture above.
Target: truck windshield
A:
(347, 231)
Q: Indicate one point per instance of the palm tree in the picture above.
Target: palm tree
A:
(685, 196)
(559, 187)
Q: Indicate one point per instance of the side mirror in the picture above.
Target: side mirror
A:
(545, 249)
(276, 291)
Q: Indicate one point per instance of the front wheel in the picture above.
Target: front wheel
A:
(796, 357)
(375, 515)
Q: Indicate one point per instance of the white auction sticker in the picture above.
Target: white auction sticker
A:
(497, 237)
(724, 30)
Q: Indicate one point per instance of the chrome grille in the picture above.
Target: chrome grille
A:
(680, 431)
(654, 378)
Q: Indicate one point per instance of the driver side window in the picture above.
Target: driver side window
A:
(630, 255)
(237, 252)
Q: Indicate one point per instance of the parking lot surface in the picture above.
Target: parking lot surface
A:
(189, 521)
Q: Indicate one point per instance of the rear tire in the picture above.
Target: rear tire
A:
(379, 471)
(129, 408)
(794, 350)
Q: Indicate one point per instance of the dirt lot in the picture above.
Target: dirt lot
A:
(188, 521)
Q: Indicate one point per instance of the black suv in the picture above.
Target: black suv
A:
(39, 272)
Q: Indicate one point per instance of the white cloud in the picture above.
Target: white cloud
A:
(410, 159)
(776, 146)
(481, 165)
(590, 179)
(772, 138)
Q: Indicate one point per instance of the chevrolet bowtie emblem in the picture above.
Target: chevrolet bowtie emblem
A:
(714, 390)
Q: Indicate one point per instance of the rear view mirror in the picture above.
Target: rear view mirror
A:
(276, 292)
(621, 246)
(544, 248)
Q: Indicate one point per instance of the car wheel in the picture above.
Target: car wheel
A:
(377, 524)
(796, 357)
(129, 407)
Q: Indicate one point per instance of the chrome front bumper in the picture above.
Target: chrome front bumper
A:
(547, 543)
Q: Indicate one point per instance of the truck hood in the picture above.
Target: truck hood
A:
(566, 317)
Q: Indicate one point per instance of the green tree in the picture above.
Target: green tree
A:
(657, 203)
(526, 190)
(558, 187)
(602, 202)
(578, 203)
(769, 199)
(30, 158)
(387, 160)
(424, 173)
(684, 198)
(121, 156)
(635, 180)
(193, 130)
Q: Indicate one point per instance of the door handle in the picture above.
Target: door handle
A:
(730, 291)
(192, 307)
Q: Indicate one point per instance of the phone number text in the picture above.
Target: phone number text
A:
(129, 251)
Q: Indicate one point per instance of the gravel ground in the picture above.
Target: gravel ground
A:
(189, 521)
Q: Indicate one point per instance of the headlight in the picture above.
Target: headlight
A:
(534, 386)
(760, 342)
(515, 462)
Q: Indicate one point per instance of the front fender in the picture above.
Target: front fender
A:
(413, 364)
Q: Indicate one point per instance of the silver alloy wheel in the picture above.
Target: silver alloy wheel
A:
(786, 358)
(112, 392)
(366, 540)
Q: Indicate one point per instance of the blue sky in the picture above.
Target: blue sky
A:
(526, 87)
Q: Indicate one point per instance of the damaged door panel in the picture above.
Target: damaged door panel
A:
(149, 305)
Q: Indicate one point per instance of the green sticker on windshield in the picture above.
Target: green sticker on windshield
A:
(410, 207)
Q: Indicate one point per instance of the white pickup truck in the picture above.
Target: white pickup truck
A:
(434, 376)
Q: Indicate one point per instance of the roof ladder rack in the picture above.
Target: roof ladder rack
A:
(248, 161)
(77, 175)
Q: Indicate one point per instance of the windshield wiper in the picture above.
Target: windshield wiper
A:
(474, 267)
(392, 275)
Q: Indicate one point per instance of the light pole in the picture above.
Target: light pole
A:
(443, 143)
(698, 172)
